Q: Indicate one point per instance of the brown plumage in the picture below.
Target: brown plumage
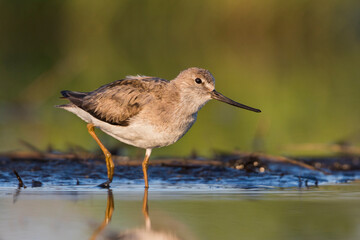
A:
(117, 102)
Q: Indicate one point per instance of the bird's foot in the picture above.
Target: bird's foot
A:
(105, 184)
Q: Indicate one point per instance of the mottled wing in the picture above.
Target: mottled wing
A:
(117, 102)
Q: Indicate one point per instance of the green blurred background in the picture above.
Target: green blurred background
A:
(298, 61)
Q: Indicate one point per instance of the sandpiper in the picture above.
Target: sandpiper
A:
(145, 112)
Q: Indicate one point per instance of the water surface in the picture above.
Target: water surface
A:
(180, 212)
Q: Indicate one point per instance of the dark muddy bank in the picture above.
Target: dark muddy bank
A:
(243, 170)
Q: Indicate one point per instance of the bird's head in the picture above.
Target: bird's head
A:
(198, 85)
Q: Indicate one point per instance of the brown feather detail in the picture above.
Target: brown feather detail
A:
(117, 102)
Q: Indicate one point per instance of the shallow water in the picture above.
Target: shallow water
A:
(180, 212)
(62, 201)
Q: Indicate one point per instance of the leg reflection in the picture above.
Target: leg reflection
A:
(108, 214)
(141, 233)
(146, 210)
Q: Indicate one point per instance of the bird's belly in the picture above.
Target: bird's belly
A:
(142, 135)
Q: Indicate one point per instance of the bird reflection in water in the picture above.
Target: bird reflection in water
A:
(132, 234)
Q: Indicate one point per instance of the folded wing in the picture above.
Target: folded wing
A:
(117, 102)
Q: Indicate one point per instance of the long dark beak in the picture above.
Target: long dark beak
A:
(218, 96)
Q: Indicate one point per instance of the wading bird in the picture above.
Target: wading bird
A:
(145, 112)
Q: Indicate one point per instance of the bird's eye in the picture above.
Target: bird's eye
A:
(198, 80)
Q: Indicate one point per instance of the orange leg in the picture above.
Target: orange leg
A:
(109, 162)
(145, 165)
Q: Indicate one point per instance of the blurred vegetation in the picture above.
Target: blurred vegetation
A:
(298, 61)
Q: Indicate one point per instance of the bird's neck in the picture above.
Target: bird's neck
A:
(190, 103)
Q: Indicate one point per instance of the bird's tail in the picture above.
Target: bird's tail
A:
(64, 105)
(75, 98)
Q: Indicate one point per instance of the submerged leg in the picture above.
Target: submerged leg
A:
(145, 165)
(109, 162)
